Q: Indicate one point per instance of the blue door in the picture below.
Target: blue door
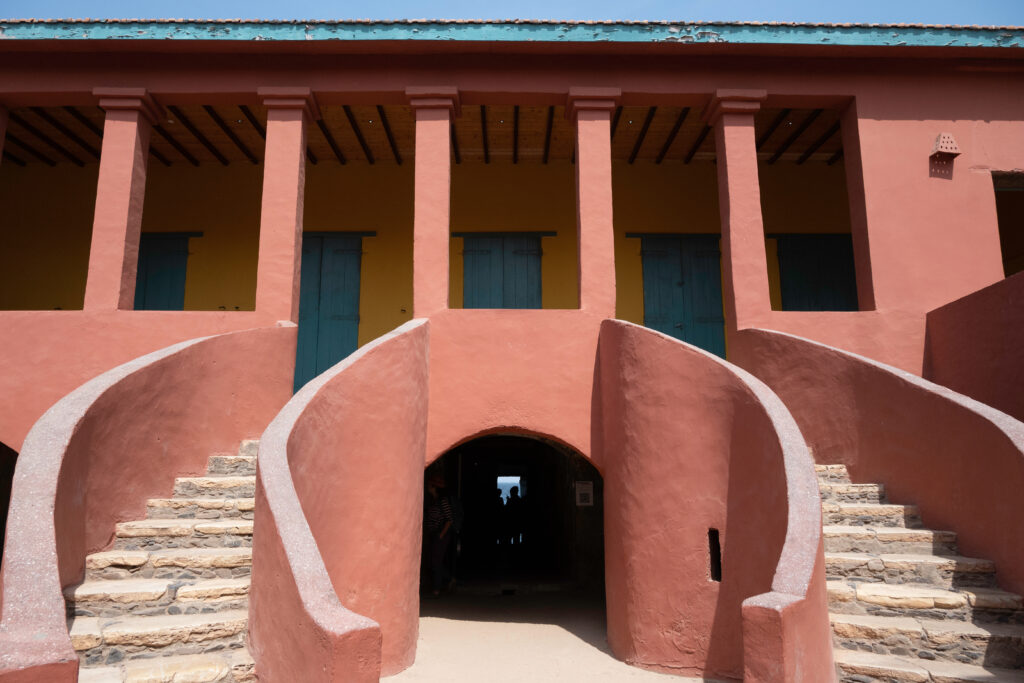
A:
(328, 303)
(501, 271)
(160, 276)
(683, 289)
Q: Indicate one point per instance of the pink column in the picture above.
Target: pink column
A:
(120, 191)
(591, 110)
(435, 107)
(744, 263)
(284, 183)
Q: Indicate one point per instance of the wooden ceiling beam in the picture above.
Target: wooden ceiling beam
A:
(198, 135)
(67, 132)
(222, 124)
(773, 127)
(483, 131)
(46, 139)
(835, 157)
(615, 120)
(17, 161)
(162, 132)
(455, 144)
(247, 113)
(359, 134)
(547, 135)
(155, 153)
(643, 134)
(672, 134)
(84, 120)
(330, 141)
(696, 145)
(795, 135)
(389, 134)
(818, 143)
(30, 149)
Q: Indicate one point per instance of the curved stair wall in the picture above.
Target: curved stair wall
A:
(339, 509)
(690, 443)
(94, 458)
(960, 461)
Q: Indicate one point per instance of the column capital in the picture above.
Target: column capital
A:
(290, 98)
(129, 99)
(591, 99)
(435, 97)
(733, 101)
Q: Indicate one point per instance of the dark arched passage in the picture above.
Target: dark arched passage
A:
(552, 538)
(8, 456)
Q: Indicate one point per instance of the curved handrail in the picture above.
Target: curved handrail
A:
(344, 643)
(70, 482)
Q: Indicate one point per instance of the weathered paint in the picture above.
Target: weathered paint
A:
(879, 35)
(166, 412)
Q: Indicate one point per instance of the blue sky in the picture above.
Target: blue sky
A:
(1001, 12)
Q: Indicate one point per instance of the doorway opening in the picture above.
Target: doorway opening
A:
(527, 516)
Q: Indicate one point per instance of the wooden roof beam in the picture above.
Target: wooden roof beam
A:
(222, 124)
(43, 137)
(389, 134)
(643, 134)
(359, 134)
(795, 135)
(67, 132)
(818, 143)
(672, 134)
(198, 135)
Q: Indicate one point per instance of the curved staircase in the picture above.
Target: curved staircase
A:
(905, 606)
(170, 601)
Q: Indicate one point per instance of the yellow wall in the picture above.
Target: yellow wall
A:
(223, 203)
(364, 198)
(525, 197)
(45, 230)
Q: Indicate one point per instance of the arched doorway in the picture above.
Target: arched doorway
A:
(528, 517)
(8, 458)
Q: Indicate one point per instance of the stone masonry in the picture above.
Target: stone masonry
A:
(905, 606)
(170, 601)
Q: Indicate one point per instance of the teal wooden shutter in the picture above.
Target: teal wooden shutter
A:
(521, 266)
(328, 303)
(663, 285)
(501, 271)
(817, 273)
(160, 277)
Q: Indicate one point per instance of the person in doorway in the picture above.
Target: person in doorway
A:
(438, 522)
(514, 513)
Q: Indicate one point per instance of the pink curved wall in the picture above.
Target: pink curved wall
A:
(959, 461)
(689, 444)
(974, 346)
(349, 448)
(95, 457)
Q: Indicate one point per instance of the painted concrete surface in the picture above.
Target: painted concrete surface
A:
(543, 637)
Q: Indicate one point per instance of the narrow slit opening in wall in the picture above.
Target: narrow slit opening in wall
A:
(715, 555)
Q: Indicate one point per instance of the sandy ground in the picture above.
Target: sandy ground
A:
(532, 638)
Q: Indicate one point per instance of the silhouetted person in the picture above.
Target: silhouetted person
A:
(438, 520)
(514, 515)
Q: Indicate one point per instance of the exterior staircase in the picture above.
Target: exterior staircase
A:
(905, 606)
(170, 601)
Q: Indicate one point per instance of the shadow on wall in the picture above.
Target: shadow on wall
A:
(8, 457)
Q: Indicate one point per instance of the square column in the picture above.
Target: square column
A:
(590, 109)
(434, 108)
(120, 191)
(744, 262)
(284, 183)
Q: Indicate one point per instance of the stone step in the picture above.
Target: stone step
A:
(101, 641)
(870, 514)
(249, 447)
(200, 508)
(174, 563)
(832, 473)
(834, 492)
(994, 644)
(151, 597)
(928, 602)
(887, 540)
(156, 534)
(234, 666)
(232, 465)
(215, 487)
(946, 571)
(857, 667)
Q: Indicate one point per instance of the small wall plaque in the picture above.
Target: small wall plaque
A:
(584, 494)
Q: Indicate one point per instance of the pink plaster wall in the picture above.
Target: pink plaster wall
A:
(339, 517)
(960, 461)
(974, 345)
(690, 443)
(95, 457)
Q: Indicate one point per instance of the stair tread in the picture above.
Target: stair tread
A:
(182, 527)
(201, 668)
(887, 532)
(900, 560)
(116, 558)
(919, 596)
(921, 670)
(213, 503)
(144, 590)
(126, 628)
(219, 479)
(203, 557)
(875, 626)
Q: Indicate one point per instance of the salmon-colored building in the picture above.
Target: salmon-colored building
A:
(736, 306)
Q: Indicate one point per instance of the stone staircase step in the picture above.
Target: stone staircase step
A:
(235, 666)
(238, 465)
(218, 487)
(155, 534)
(249, 447)
(887, 540)
(109, 641)
(913, 600)
(855, 667)
(832, 473)
(870, 514)
(188, 563)
(200, 508)
(1000, 645)
(150, 597)
(946, 571)
(835, 492)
